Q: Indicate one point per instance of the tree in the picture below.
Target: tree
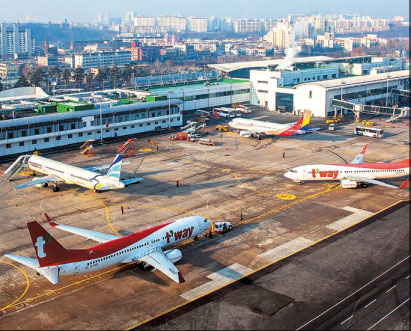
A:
(66, 75)
(79, 75)
(169, 64)
(101, 76)
(157, 65)
(22, 82)
(128, 73)
(90, 79)
(114, 72)
(54, 72)
(36, 77)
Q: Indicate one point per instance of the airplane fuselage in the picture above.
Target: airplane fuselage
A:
(256, 126)
(329, 172)
(131, 248)
(73, 175)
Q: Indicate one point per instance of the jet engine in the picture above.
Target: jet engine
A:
(174, 255)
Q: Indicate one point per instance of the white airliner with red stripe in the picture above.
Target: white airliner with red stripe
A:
(53, 260)
(250, 128)
(353, 174)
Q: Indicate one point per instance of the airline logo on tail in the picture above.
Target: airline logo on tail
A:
(115, 169)
(40, 247)
(301, 125)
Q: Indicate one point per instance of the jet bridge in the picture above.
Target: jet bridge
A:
(16, 167)
(394, 112)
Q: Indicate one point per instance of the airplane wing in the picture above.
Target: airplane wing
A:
(371, 181)
(89, 234)
(42, 180)
(158, 260)
(360, 157)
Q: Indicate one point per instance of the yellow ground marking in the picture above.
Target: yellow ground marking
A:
(145, 150)
(25, 290)
(257, 270)
(288, 205)
(49, 292)
(284, 196)
(107, 212)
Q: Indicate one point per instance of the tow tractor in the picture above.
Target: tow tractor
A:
(222, 227)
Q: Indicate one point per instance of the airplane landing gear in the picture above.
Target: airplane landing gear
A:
(300, 182)
(56, 188)
(364, 185)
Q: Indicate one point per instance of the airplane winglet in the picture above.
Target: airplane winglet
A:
(181, 279)
(405, 183)
(364, 149)
(50, 220)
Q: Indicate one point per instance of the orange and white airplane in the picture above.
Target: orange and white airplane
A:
(353, 174)
(53, 260)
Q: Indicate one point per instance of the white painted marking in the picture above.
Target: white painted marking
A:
(370, 303)
(286, 249)
(218, 278)
(353, 293)
(391, 288)
(407, 277)
(358, 214)
(388, 314)
(347, 319)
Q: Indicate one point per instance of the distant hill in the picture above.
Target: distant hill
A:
(65, 33)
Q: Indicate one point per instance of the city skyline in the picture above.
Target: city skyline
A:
(57, 11)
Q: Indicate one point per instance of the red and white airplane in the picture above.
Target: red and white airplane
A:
(250, 128)
(352, 174)
(53, 260)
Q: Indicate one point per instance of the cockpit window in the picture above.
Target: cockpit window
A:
(293, 171)
(205, 220)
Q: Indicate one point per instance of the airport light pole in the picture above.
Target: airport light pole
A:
(101, 124)
(386, 95)
(169, 108)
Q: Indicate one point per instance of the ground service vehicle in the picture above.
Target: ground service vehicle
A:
(222, 227)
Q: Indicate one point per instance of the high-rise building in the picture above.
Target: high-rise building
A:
(101, 59)
(247, 26)
(281, 36)
(15, 42)
(173, 23)
(144, 21)
(198, 24)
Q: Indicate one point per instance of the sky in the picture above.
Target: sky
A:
(86, 10)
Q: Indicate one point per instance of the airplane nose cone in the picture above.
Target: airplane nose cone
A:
(287, 175)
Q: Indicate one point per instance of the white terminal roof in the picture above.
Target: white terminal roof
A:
(360, 80)
(227, 67)
(23, 93)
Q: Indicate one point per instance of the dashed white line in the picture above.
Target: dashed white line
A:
(391, 288)
(407, 277)
(347, 319)
(370, 303)
(388, 314)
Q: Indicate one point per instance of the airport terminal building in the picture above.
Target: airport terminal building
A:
(24, 135)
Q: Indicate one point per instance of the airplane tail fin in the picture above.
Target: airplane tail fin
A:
(305, 119)
(300, 127)
(48, 250)
(115, 168)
